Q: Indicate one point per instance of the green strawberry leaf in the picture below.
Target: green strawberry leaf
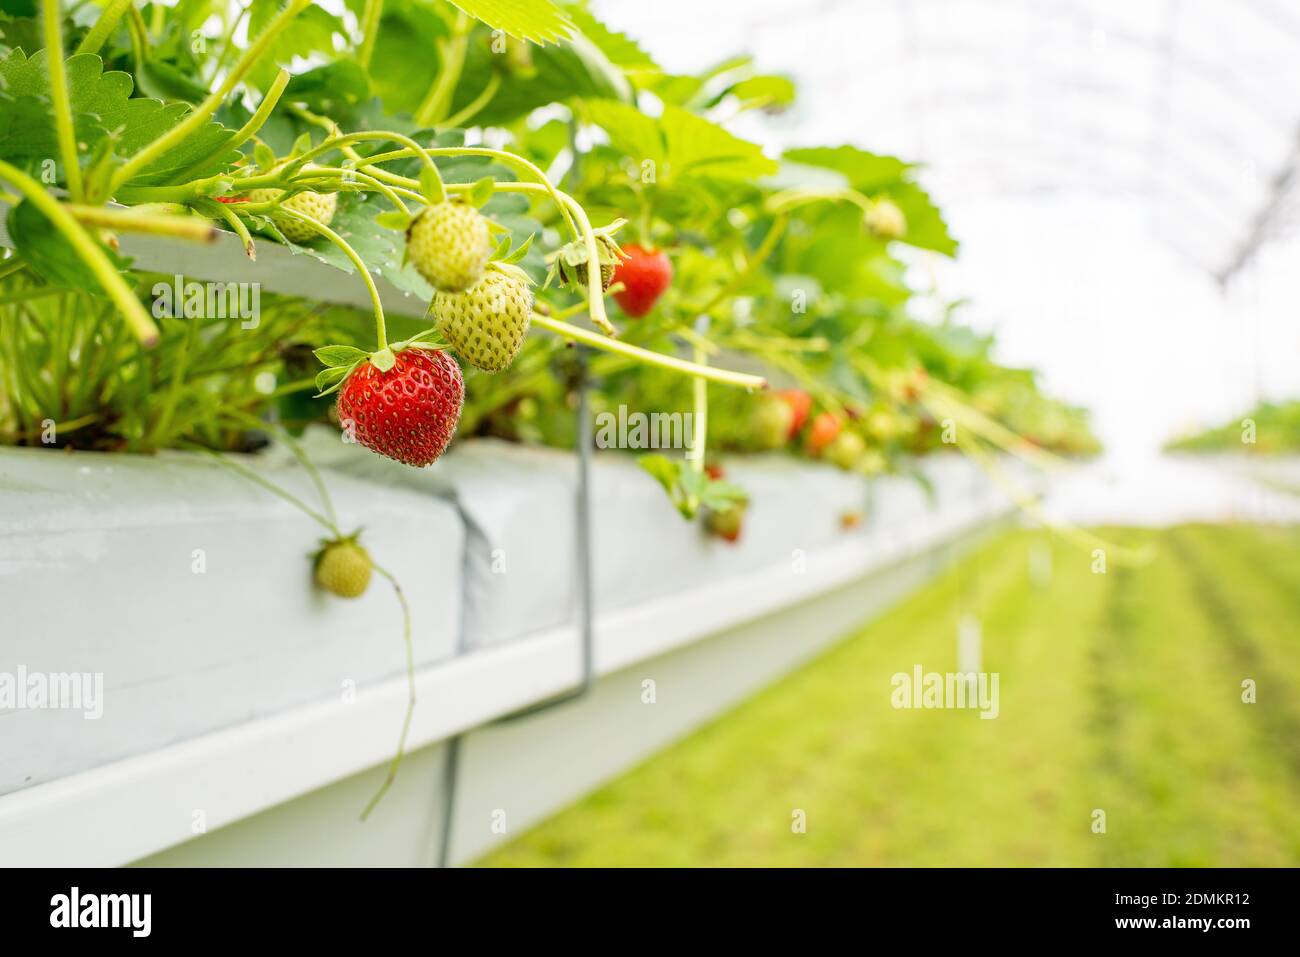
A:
(866, 172)
(720, 494)
(664, 470)
(331, 380)
(622, 51)
(688, 489)
(630, 131)
(503, 247)
(312, 34)
(342, 82)
(874, 174)
(481, 192)
(518, 255)
(264, 157)
(48, 251)
(431, 187)
(537, 20)
(394, 219)
(102, 106)
(679, 144)
(337, 356)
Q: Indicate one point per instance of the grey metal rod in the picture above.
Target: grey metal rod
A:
(586, 609)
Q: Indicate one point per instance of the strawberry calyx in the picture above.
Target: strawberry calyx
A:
(342, 566)
(341, 361)
(568, 264)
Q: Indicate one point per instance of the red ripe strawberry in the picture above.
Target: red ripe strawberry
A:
(408, 413)
(800, 403)
(645, 274)
(823, 431)
(715, 472)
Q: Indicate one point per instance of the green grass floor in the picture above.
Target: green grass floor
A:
(1119, 691)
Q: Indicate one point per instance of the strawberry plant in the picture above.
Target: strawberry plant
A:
(509, 166)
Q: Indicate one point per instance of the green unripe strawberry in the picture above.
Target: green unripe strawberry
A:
(343, 568)
(319, 206)
(486, 323)
(886, 220)
(882, 424)
(449, 243)
(846, 451)
(872, 462)
(726, 524)
(772, 419)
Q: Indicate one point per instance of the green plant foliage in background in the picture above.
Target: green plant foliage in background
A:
(794, 267)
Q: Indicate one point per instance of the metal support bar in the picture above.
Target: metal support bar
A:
(585, 610)
(1282, 184)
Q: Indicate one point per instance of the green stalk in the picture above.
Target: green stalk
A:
(370, 19)
(234, 222)
(518, 163)
(410, 147)
(381, 330)
(410, 692)
(52, 21)
(271, 487)
(227, 44)
(133, 221)
(574, 215)
(11, 265)
(596, 341)
(174, 387)
(204, 111)
(473, 108)
(103, 27)
(438, 100)
(760, 256)
(339, 177)
(789, 199)
(249, 129)
(88, 251)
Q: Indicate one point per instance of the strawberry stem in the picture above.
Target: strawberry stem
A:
(410, 692)
(204, 111)
(103, 27)
(381, 329)
(249, 129)
(371, 14)
(87, 250)
(596, 341)
(571, 210)
(192, 228)
(52, 18)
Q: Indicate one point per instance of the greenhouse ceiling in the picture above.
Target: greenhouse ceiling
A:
(1183, 107)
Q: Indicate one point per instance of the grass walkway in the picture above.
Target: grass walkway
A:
(1118, 691)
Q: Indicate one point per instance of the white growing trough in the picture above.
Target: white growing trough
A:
(247, 718)
(230, 733)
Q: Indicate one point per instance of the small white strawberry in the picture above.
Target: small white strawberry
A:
(486, 323)
(449, 243)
